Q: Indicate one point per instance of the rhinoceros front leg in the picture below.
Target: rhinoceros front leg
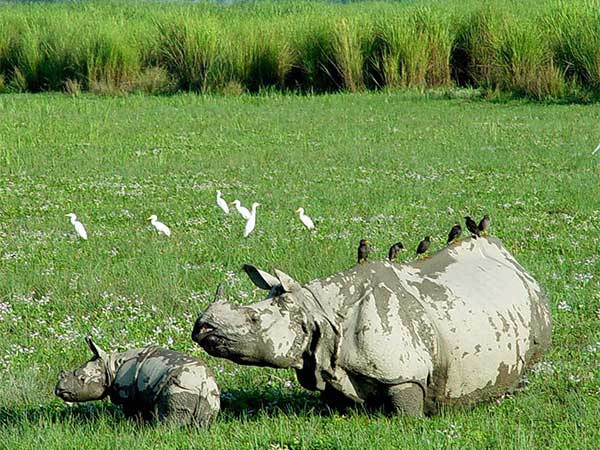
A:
(335, 399)
(136, 415)
(406, 398)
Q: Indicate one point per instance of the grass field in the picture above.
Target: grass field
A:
(383, 166)
(537, 49)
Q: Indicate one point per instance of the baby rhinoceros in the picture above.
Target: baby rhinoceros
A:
(149, 383)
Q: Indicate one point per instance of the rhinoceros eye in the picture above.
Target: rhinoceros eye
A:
(284, 301)
(253, 316)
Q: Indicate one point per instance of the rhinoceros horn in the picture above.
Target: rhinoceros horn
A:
(220, 295)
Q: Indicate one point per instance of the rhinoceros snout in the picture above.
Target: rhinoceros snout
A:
(201, 331)
(63, 394)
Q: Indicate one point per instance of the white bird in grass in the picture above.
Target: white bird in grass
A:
(251, 221)
(242, 210)
(596, 150)
(160, 227)
(307, 221)
(222, 203)
(79, 228)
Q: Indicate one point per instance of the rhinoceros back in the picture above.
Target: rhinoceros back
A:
(492, 318)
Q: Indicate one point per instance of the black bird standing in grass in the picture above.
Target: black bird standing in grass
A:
(472, 226)
(394, 250)
(455, 233)
(423, 245)
(484, 224)
(363, 251)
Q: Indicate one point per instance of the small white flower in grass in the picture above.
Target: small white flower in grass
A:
(227, 396)
(10, 255)
(160, 227)
(5, 309)
(501, 399)
(593, 348)
(583, 278)
(564, 306)
(451, 432)
(574, 378)
(544, 368)
(231, 276)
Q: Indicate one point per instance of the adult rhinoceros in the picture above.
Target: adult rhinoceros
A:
(459, 327)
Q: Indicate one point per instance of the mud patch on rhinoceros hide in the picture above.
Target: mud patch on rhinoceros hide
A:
(437, 265)
(383, 296)
(441, 299)
(506, 382)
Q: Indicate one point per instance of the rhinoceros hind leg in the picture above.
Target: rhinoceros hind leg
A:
(176, 408)
(406, 399)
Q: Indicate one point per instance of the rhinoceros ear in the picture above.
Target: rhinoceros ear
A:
(287, 283)
(96, 350)
(261, 278)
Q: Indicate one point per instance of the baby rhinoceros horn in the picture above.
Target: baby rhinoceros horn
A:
(220, 295)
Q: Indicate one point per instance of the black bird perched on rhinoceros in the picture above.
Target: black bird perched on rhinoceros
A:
(457, 328)
(363, 251)
(148, 383)
(394, 250)
(455, 233)
(423, 245)
(472, 226)
(484, 224)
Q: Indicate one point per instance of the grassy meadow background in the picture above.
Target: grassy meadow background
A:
(383, 166)
(539, 49)
(400, 143)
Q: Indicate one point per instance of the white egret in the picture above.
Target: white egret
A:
(160, 227)
(79, 228)
(222, 203)
(307, 221)
(242, 210)
(251, 221)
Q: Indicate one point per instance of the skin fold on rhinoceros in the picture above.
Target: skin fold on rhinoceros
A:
(148, 383)
(459, 327)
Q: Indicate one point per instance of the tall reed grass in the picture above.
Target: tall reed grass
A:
(549, 50)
